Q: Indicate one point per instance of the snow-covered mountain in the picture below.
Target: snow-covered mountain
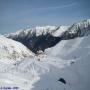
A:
(40, 38)
(63, 66)
(12, 50)
(77, 30)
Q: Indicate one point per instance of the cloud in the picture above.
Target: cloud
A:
(56, 7)
(28, 11)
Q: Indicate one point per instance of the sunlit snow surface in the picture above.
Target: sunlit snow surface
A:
(69, 59)
(12, 50)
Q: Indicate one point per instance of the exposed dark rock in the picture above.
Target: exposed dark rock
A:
(36, 43)
(62, 80)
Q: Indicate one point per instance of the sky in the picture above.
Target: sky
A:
(20, 14)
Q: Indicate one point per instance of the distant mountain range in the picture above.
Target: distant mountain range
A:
(40, 38)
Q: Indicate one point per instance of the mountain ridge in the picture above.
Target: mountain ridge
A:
(40, 38)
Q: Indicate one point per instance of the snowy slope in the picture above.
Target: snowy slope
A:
(64, 66)
(69, 60)
(10, 49)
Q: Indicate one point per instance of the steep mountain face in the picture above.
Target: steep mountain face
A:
(38, 38)
(77, 30)
(10, 49)
(41, 38)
